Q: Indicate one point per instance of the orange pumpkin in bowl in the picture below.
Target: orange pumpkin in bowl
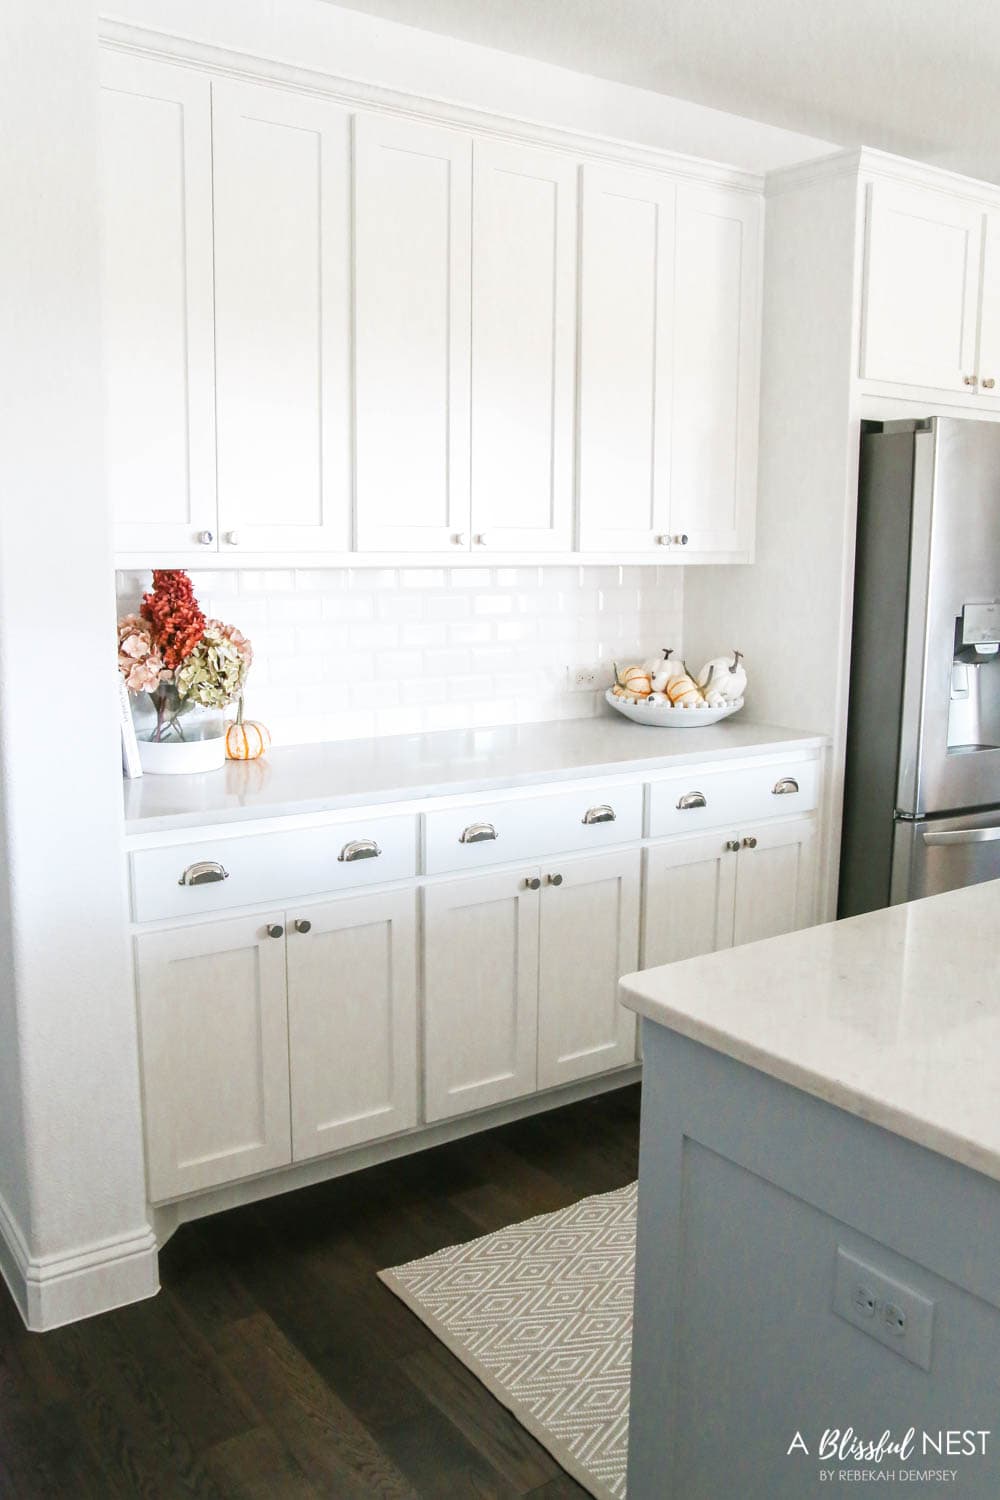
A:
(246, 739)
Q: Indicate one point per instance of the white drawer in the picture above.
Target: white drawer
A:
(530, 828)
(694, 799)
(273, 867)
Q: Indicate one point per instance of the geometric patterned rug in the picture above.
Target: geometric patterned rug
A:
(542, 1314)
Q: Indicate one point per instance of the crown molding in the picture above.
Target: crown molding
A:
(247, 67)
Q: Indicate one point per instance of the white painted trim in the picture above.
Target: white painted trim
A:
(208, 561)
(865, 163)
(51, 1290)
(223, 61)
(169, 1217)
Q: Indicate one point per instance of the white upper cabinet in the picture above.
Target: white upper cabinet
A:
(282, 301)
(413, 219)
(988, 357)
(716, 344)
(922, 288)
(158, 329)
(626, 365)
(523, 348)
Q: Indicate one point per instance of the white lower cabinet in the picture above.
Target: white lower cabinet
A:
(352, 1021)
(775, 880)
(589, 938)
(214, 1029)
(480, 991)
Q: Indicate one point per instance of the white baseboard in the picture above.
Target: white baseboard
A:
(51, 1290)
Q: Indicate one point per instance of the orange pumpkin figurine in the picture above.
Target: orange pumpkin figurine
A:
(246, 739)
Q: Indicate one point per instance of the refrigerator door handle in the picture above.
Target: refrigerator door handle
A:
(963, 836)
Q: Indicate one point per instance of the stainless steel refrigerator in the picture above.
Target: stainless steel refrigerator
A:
(922, 790)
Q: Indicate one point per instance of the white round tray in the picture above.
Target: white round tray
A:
(664, 716)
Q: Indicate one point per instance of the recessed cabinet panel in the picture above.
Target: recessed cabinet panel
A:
(523, 348)
(589, 939)
(713, 451)
(352, 1020)
(626, 312)
(413, 212)
(690, 891)
(775, 881)
(282, 269)
(214, 1042)
(480, 992)
(921, 288)
(156, 196)
(988, 359)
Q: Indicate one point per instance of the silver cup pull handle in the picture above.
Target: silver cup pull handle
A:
(691, 799)
(784, 787)
(359, 849)
(205, 872)
(477, 833)
(602, 814)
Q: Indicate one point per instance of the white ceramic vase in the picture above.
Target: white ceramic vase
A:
(203, 748)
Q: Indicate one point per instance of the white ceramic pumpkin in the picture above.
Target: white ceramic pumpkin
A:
(724, 676)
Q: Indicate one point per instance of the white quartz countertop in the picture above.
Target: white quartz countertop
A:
(357, 773)
(893, 1016)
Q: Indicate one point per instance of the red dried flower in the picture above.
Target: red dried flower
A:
(172, 610)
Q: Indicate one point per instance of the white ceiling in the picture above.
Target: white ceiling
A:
(919, 77)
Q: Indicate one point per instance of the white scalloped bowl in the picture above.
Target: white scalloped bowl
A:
(665, 716)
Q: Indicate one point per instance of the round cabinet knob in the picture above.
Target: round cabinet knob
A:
(303, 925)
(554, 879)
(480, 539)
(968, 379)
(458, 540)
(206, 538)
(989, 383)
(732, 845)
(664, 541)
(275, 930)
(681, 539)
(233, 538)
(750, 843)
(532, 883)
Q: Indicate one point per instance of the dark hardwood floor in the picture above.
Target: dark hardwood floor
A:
(273, 1365)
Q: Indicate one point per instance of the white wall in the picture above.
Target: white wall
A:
(75, 1232)
(351, 652)
(348, 44)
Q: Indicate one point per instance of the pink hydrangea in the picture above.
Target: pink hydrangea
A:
(139, 662)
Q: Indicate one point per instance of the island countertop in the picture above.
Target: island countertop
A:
(364, 772)
(893, 1016)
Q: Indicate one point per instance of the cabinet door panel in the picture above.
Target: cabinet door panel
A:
(775, 882)
(589, 939)
(988, 360)
(523, 348)
(214, 1032)
(156, 196)
(480, 993)
(282, 247)
(626, 313)
(413, 215)
(690, 890)
(352, 1021)
(716, 357)
(921, 287)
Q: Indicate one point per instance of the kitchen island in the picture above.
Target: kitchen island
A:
(819, 1211)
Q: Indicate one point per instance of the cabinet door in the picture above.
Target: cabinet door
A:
(413, 216)
(480, 992)
(282, 298)
(352, 1022)
(214, 1030)
(921, 287)
(988, 359)
(523, 348)
(716, 369)
(626, 316)
(775, 882)
(156, 196)
(589, 939)
(689, 896)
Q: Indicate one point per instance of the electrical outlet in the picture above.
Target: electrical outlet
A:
(889, 1311)
(583, 679)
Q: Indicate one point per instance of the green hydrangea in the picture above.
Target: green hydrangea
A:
(214, 673)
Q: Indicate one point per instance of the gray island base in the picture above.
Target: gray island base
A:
(818, 1269)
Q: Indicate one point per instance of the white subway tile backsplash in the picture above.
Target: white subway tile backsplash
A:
(343, 653)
